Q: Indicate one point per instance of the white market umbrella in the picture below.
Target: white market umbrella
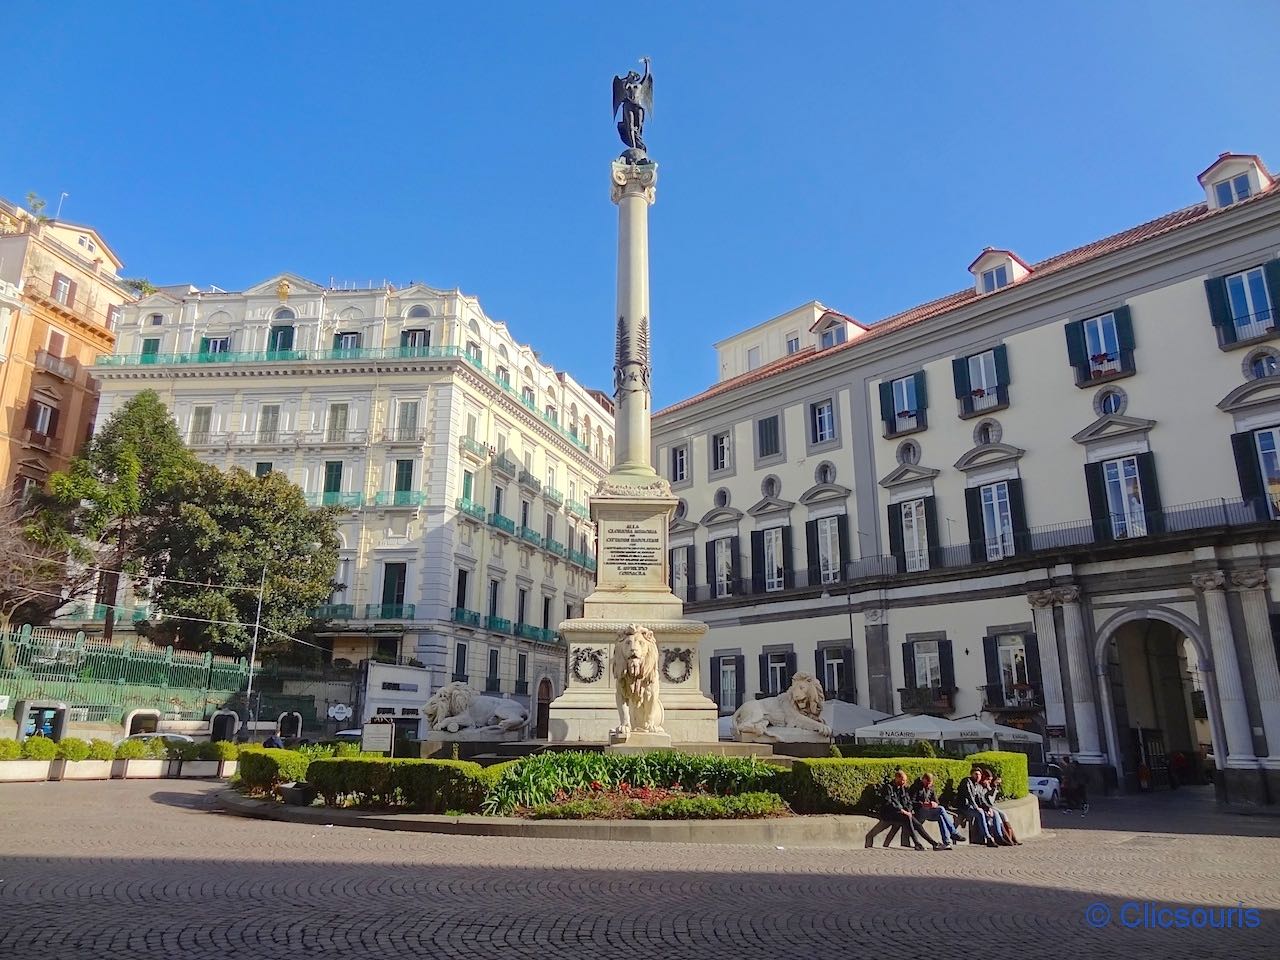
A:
(1014, 735)
(908, 728)
(845, 718)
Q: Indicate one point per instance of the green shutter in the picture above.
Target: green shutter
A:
(1215, 289)
(1001, 354)
(886, 403)
(932, 534)
(1271, 270)
(1249, 470)
(1018, 514)
(337, 341)
(404, 475)
(333, 476)
(150, 347)
(1148, 484)
(1077, 354)
(896, 545)
(922, 395)
(204, 344)
(1124, 327)
(960, 373)
(1095, 486)
(977, 533)
(468, 481)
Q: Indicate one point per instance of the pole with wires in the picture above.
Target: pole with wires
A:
(250, 713)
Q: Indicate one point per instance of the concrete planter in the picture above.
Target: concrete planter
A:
(140, 769)
(228, 768)
(198, 768)
(82, 770)
(24, 771)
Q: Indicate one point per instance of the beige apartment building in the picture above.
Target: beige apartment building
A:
(1048, 499)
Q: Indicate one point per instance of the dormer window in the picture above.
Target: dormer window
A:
(1230, 191)
(832, 336)
(995, 269)
(832, 329)
(995, 279)
(1234, 177)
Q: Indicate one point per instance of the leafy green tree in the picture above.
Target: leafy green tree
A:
(209, 547)
(140, 285)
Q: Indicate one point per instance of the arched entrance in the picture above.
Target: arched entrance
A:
(1157, 698)
(542, 710)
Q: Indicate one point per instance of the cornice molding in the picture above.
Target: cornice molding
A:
(1113, 426)
(989, 455)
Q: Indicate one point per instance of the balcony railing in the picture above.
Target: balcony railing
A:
(504, 464)
(907, 420)
(471, 509)
(590, 563)
(470, 618)
(389, 611)
(505, 524)
(497, 624)
(474, 447)
(527, 479)
(1261, 324)
(528, 631)
(492, 685)
(97, 613)
(334, 611)
(554, 546)
(936, 701)
(578, 557)
(579, 510)
(398, 498)
(58, 366)
(552, 495)
(332, 498)
(522, 688)
(404, 435)
(531, 536)
(983, 398)
(1020, 698)
(41, 441)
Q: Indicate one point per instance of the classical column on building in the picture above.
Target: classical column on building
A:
(1252, 586)
(1226, 669)
(1083, 707)
(1055, 715)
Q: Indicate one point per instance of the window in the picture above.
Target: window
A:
(280, 339)
(1263, 365)
(551, 413)
(472, 426)
(493, 663)
(722, 553)
(61, 289)
(262, 468)
(1250, 303)
(985, 434)
(1124, 498)
(522, 603)
(721, 497)
(406, 419)
(417, 312)
(57, 344)
(680, 572)
(404, 476)
(828, 529)
(1102, 344)
(550, 529)
(503, 376)
(522, 668)
(905, 410)
(551, 478)
(415, 343)
(768, 440)
(983, 381)
(825, 473)
(336, 428)
(997, 520)
(497, 499)
(113, 317)
(915, 539)
(201, 418)
(460, 662)
(495, 590)
(995, 278)
(150, 349)
(753, 358)
(332, 477)
(346, 341)
(157, 319)
(468, 484)
(460, 598)
(679, 464)
(833, 336)
(215, 344)
(1011, 660)
(728, 685)
(1233, 190)
(269, 423)
(928, 663)
(1111, 402)
(793, 344)
(394, 578)
(822, 422)
(546, 613)
(833, 678)
(779, 675)
(41, 419)
(720, 451)
(525, 507)
(774, 560)
(527, 397)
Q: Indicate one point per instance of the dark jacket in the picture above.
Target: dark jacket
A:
(973, 795)
(922, 796)
(897, 797)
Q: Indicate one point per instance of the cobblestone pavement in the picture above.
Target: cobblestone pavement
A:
(136, 869)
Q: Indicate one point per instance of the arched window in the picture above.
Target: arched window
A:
(825, 473)
(1263, 365)
(1110, 403)
(280, 335)
(418, 312)
(503, 376)
(284, 313)
(573, 420)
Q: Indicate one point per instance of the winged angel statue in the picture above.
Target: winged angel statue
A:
(634, 94)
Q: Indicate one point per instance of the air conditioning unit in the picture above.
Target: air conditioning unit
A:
(78, 715)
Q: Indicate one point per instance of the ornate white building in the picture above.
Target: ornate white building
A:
(461, 462)
(1048, 498)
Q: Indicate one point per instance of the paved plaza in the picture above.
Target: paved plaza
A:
(137, 869)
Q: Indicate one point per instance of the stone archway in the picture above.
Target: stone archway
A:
(542, 709)
(1143, 690)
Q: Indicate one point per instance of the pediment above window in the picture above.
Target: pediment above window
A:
(157, 299)
(47, 393)
(681, 525)
(1248, 397)
(770, 505)
(990, 455)
(30, 466)
(824, 493)
(271, 287)
(720, 516)
(906, 473)
(1114, 426)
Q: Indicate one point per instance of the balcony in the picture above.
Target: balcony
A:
(982, 400)
(58, 366)
(333, 611)
(935, 701)
(1022, 698)
(504, 464)
(492, 685)
(1254, 326)
(590, 563)
(389, 611)
(528, 631)
(529, 481)
(579, 510)
(522, 688)
(398, 498)
(497, 624)
(474, 448)
(907, 421)
(505, 524)
(578, 557)
(333, 498)
(207, 438)
(555, 546)
(469, 618)
(279, 356)
(552, 495)
(472, 509)
(41, 441)
(404, 435)
(529, 535)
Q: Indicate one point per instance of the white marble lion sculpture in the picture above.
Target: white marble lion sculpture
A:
(456, 706)
(795, 715)
(634, 667)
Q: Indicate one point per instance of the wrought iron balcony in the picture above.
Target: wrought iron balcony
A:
(497, 624)
(552, 495)
(492, 685)
(528, 631)
(579, 509)
(404, 435)
(41, 441)
(936, 701)
(334, 498)
(389, 611)
(1021, 698)
(555, 546)
(530, 535)
(334, 611)
(461, 615)
(471, 508)
(58, 366)
(474, 447)
(398, 498)
(527, 479)
(504, 464)
(506, 524)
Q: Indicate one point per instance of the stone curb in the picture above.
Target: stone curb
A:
(815, 830)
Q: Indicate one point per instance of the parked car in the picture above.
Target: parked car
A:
(170, 739)
(1045, 782)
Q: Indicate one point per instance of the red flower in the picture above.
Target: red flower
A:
(596, 785)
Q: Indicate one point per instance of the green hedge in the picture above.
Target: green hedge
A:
(854, 785)
(209, 750)
(425, 786)
(1010, 766)
(101, 750)
(265, 769)
(10, 749)
(699, 807)
(73, 749)
(39, 748)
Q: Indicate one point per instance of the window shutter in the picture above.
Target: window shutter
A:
(337, 340)
(977, 533)
(740, 673)
(991, 659)
(1249, 471)
(715, 680)
(947, 662)
(711, 568)
(850, 690)
(1149, 484)
(1271, 270)
(960, 373)
(204, 344)
(1095, 486)
(735, 566)
(71, 293)
(922, 393)
(819, 662)
(791, 670)
(53, 285)
(842, 529)
(896, 546)
(1077, 354)
(933, 535)
(1215, 289)
(764, 673)
(1031, 644)
(404, 338)
(886, 404)
(1001, 354)
(32, 411)
(811, 552)
(909, 665)
(757, 561)
(1018, 514)
(53, 423)
(1124, 336)
(691, 578)
(788, 573)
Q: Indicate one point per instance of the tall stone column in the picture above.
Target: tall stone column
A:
(1252, 585)
(1226, 670)
(1083, 705)
(1042, 603)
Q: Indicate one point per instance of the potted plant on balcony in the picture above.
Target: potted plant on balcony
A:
(83, 761)
(26, 762)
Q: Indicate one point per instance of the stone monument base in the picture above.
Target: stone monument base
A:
(639, 742)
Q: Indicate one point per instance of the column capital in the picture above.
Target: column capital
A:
(1042, 598)
(1209, 580)
(1252, 579)
(1069, 594)
(634, 179)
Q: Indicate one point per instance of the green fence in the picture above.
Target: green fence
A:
(102, 681)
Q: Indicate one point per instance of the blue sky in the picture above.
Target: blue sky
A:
(859, 154)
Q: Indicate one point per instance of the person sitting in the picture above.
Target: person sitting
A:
(925, 802)
(991, 782)
(976, 808)
(274, 741)
(898, 811)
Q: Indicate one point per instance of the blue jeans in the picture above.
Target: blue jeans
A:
(977, 821)
(946, 826)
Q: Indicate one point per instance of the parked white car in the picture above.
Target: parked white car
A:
(1045, 782)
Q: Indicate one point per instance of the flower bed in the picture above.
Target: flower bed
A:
(625, 802)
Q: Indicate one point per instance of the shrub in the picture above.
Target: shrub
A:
(696, 807)
(264, 769)
(39, 748)
(426, 786)
(219, 750)
(346, 750)
(853, 785)
(1011, 767)
(923, 748)
(895, 750)
(160, 750)
(133, 750)
(101, 750)
(73, 749)
(10, 749)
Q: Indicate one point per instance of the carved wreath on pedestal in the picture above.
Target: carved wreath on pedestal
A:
(677, 664)
(587, 665)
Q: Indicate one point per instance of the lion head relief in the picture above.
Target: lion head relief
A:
(635, 659)
(806, 693)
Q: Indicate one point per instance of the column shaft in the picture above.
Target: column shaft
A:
(1083, 706)
(1226, 670)
(1262, 650)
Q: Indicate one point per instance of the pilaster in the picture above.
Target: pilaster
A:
(1226, 669)
(1252, 587)
(1084, 709)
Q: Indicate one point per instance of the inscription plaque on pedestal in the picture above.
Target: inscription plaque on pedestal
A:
(632, 551)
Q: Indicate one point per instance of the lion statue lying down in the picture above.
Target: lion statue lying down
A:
(634, 666)
(795, 715)
(456, 706)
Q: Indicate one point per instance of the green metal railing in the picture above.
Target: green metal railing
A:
(333, 498)
(531, 536)
(461, 615)
(502, 523)
(528, 631)
(506, 465)
(389, 611)
(97, 613)
(579, 509)
(473, 445)
(334, 611)
(527, 479)
(398, 498)
(576, 556)
(555, 546)
(106, 680)
(497, 624)
(553, 495)
(472, 509)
